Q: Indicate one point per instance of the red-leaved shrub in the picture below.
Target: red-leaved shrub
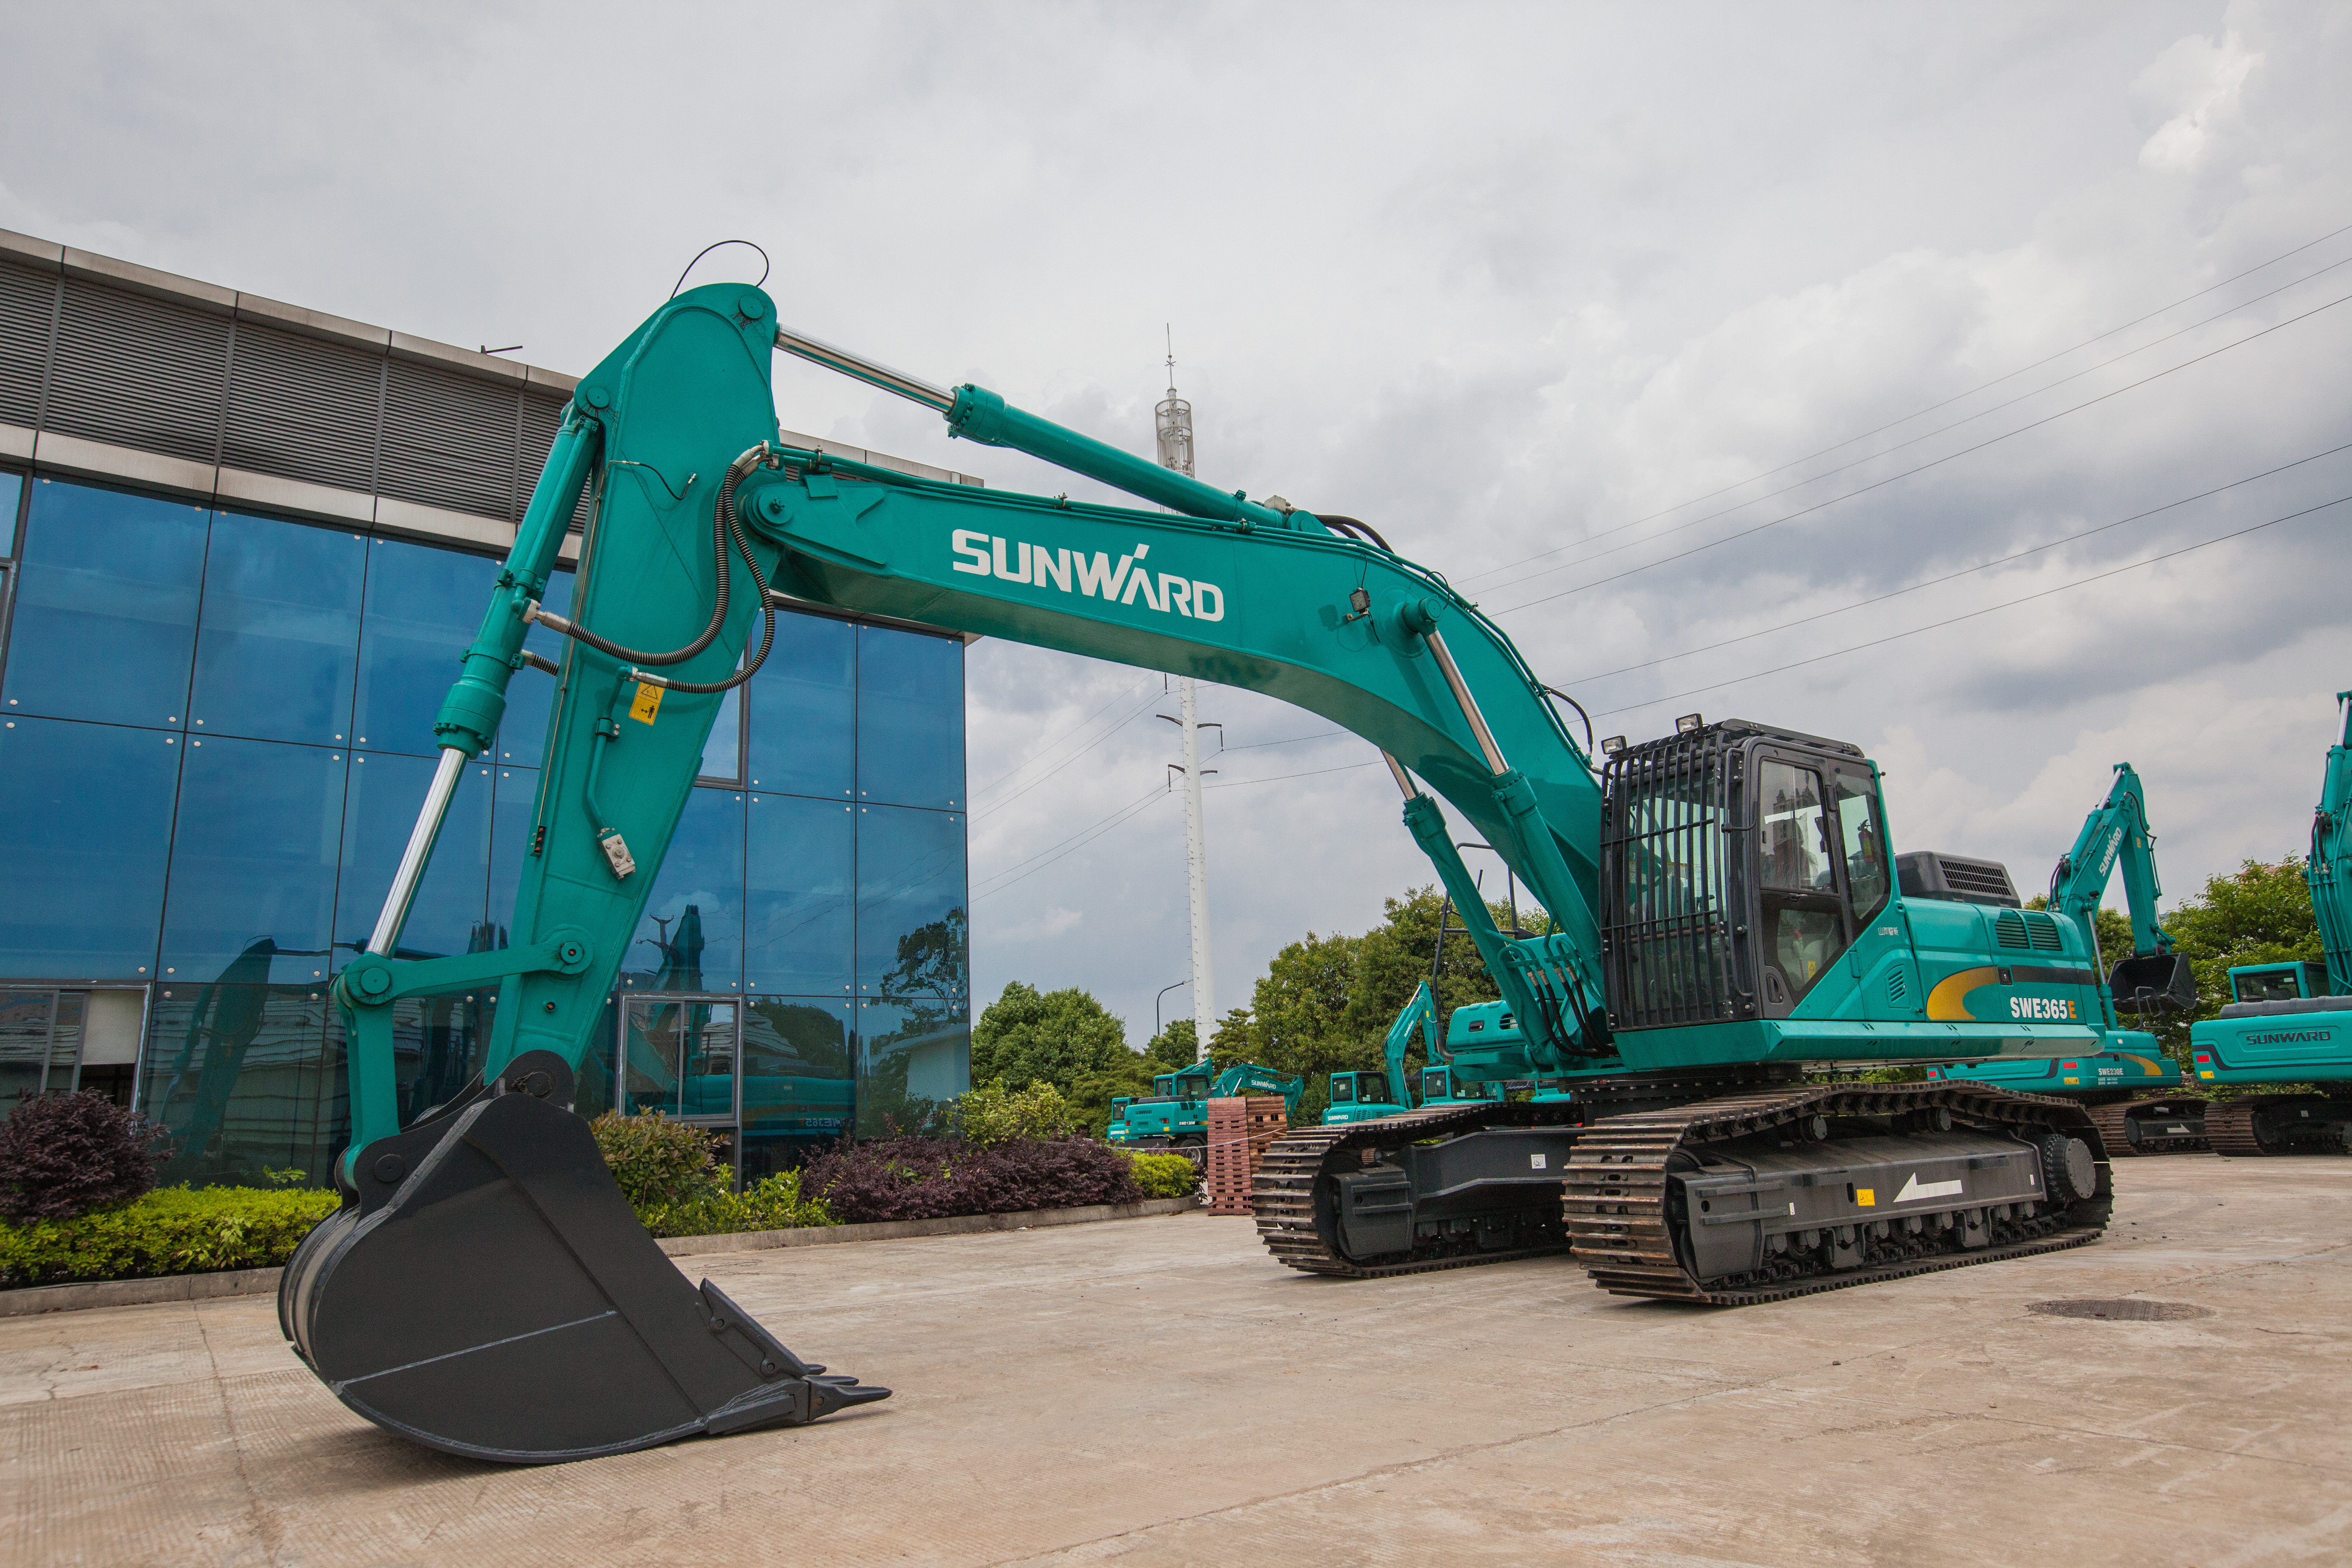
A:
(933, 1178)
(65, 1154)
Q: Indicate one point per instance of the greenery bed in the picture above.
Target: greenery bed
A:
(172, 1230)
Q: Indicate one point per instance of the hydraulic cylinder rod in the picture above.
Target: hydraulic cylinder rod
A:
(414, 858)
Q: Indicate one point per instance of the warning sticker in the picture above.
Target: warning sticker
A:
(1866, 1197)
(647, 703)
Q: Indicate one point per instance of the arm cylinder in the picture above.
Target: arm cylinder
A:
(414, 859)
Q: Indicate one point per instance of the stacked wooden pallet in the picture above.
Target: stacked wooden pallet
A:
(1240, 1130)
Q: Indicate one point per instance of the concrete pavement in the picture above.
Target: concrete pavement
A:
(1156, 1391)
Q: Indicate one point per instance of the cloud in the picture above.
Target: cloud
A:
(2198, 83)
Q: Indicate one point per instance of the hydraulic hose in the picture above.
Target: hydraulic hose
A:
(722, 517)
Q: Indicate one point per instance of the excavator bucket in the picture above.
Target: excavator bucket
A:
(487, 1290)
(2161, 982)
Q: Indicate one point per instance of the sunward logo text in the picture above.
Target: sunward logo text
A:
(985, 556)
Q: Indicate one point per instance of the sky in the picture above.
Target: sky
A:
(1960, 382)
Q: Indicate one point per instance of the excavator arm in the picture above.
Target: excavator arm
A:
(2330, 869)
(1419, 1016)
(2116, 836)
(700, 524)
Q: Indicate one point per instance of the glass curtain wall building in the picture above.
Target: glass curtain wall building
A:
(219, 666)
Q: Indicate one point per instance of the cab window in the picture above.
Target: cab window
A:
(1372, 1088)
(1804, 922)
(1861, 843)
(2278, 985)
(1432, 1085)
(1343, 1089)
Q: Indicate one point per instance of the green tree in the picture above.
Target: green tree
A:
(1065, 1038)
(2260, 913)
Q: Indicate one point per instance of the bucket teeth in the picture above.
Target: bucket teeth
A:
(487, 1291)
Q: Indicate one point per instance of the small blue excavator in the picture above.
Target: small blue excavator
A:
(2292, 1022)
(2125, 1084)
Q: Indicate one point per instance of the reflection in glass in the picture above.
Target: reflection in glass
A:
(1864, 845)
(85, 835)
(678, 1057)
(797, 1073)
(379, 810)
(804, 708)
(280, 634)
(911, 916)
(512, 821)
(233, 1075)
(1804, 926)
(423, 608)
(531, 695)
(106, 606)
(798, 925)
(910, 1057)
(909, 718)
(722, 752)
(690, 937)
(28, 1031)
(12, 492)
(253, 859)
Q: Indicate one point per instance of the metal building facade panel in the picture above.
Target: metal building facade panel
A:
(27, 311)
(449, 440)
(136, 372)
(302, 408)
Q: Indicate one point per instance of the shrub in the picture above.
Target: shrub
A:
(772, 1203)
(1165, 1176)
(659, 1163)
(172, 1230)
(990, 1114)
(63, 1154)
(933, 1178)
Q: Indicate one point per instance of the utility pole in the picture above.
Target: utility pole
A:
(1172, 420)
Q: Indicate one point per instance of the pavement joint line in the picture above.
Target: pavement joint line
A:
(268, 1530)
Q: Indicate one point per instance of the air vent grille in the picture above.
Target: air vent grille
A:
(2043, 930)
(302, 409)
(1978, 880)
(1898, 988)
(2009, 930)
(27, 307)
(139, 373)
(448, 441)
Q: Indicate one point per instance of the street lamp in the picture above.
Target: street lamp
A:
(1158, 1028)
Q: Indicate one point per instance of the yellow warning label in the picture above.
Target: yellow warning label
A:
(647, 703)
(1866, 1197)
(2075, 1080)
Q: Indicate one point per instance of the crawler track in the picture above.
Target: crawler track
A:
(1617, 1187)
(1284, 1194)
(2113, 1124)
(2230, 1125)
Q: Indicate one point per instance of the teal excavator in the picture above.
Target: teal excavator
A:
(2130, 1084)
(2292, 1022)
(1723, 913)
(1174, 1117)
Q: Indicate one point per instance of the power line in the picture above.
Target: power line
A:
(1931, 408)
(1294, 739)
(1048, 746)
(1079, 841)
(1931, 463)
(1972, 615)
(1149, 704)
(1278, 778)
(1966, 571)
(1927, 435)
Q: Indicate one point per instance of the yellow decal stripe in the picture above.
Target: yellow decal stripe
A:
(1950, 1000)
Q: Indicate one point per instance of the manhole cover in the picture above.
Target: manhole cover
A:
(2123, 1311)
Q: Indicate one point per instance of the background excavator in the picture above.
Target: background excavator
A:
(2130, 1083)
(1174, 1117)
(1722, 905)
(2292, 1022)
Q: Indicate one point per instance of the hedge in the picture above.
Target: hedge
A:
(172, 1230)
(934, 1178)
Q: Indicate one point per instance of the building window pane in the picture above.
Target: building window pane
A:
(799, 929)
(531, 695)
(909, 718)
(280, 634)
(234, 1073)
(690, 937)
(106, 606)
(423, 606)
(253, 862)
(911, 916)
(11, 492)
(722, 751)
(799, 1084)
(379, 811)
(85, 834)
(910, 1057)
(513, 819)
(805, 709)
